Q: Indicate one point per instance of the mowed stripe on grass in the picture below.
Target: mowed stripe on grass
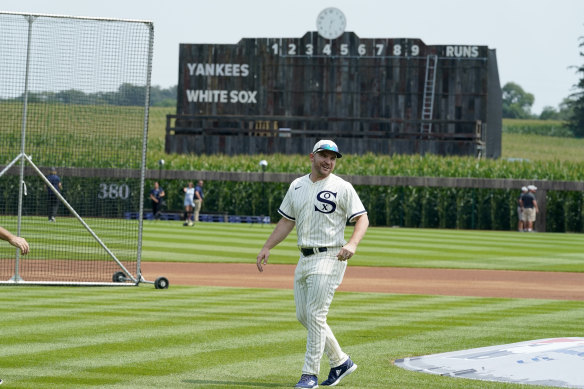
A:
(395, 247)
(246, 338)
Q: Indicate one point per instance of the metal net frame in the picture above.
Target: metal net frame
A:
(74, 96)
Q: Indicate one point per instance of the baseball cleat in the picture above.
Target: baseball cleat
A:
(307, 381)
(338, 373)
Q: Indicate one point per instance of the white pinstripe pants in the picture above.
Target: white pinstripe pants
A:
(316, 279)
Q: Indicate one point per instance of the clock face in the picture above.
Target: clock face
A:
(331, 23)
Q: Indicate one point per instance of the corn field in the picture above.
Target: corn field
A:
(387, 206)
(461, 208)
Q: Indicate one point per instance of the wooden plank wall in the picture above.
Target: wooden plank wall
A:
(338, 81)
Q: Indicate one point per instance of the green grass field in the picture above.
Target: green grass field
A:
(194, 337)
(205, 337)
(397, 247)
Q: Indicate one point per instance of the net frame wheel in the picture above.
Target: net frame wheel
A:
(161, 283)
(119, 277)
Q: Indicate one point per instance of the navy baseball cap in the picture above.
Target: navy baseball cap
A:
(329, 145)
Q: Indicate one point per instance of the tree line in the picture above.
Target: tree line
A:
(126, 95)
(517, 104)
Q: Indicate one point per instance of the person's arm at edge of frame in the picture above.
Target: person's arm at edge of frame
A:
(281, 231)
(349, 249)
(14, 240)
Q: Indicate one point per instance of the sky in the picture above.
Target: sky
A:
(536, 40)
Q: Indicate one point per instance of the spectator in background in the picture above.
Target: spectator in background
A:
(157, 196)
(529, 208)
(52, 199)
(198, 199)
(519, 210)
(189, 204)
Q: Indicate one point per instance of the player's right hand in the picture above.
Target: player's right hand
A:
(20, 243)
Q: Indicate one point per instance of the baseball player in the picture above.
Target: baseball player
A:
(16, 241)
(319, 204)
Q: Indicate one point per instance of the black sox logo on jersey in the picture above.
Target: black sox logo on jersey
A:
(326, 204)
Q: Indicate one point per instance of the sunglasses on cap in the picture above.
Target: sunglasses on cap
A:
(327, 147)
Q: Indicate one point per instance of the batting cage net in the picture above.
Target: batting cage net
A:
(74, 96)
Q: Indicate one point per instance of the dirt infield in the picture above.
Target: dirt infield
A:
(448, 282)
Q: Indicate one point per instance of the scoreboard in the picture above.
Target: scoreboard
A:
(384, 95)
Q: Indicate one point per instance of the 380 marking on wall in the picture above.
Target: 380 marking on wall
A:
(113, 191)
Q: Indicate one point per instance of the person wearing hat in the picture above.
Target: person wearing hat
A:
(529, 207)
(319, 205)
(519, 210)
(52, 199)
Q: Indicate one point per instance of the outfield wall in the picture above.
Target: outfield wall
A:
(444, 202)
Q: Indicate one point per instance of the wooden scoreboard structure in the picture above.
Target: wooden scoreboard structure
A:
(387, 96)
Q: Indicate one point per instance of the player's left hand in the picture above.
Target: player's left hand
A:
(346, 252)
(262, 259)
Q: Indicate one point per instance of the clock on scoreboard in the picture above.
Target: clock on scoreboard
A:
(331, 23)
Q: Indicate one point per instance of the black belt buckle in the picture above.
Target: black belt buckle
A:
(312, 250)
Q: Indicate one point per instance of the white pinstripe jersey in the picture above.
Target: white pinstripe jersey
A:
(321, 210)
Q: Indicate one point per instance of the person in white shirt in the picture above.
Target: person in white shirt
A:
(189, 204)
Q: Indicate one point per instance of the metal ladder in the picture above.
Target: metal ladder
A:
(428, 100)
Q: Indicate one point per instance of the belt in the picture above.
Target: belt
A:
(307, 251)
